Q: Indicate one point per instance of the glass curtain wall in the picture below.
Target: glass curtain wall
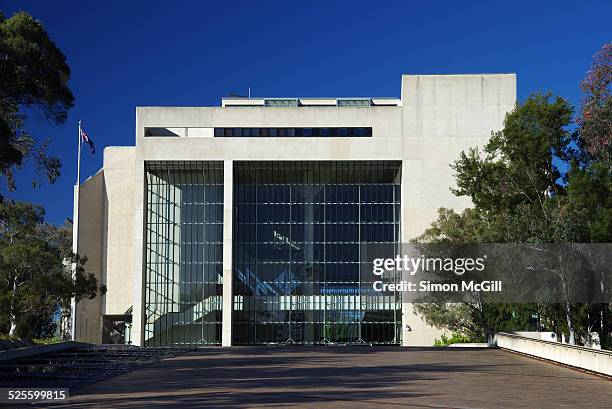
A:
(298, 227)
(183, 266)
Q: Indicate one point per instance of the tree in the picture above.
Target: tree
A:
(516, 188)
(517, 170)
(33, 76)
(35, 277)
(590, 178)
(520, 196)
(595, 118)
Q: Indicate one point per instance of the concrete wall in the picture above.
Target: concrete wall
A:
(91, 226)
(580, 357)
(105, 237)
(543, 336)
(442, 115)
(118, 229)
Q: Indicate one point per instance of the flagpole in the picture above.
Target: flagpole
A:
(75, 234)
(78, 182)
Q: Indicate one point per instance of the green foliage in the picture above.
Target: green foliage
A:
(514, 183)
(455, 338)
(595, 117)
(460, 317)
(478, 321)
(589, 196)
(520, 196)
(38, 323)
(33, 75)
(35, 274)
(36, 341)
(46, 341)
(516, 165)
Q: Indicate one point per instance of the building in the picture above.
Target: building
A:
(240, 224)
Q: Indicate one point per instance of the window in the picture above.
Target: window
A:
(298, 273)
(164, 132)
(342, 132)
(281, 102)
(354, 103)
(183, 253)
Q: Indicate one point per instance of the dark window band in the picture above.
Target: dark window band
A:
(347, 132)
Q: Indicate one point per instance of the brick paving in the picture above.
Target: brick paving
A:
(348, 377)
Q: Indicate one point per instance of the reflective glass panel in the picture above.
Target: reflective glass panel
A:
(183, 253)
(296, 261)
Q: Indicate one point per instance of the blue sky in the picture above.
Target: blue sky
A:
(129, 53)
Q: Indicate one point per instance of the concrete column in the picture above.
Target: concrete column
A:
(407, 312)
(228, 212)
(138, 310)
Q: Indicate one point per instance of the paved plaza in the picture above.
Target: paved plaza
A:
(348, 377)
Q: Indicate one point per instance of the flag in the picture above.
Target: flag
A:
(86, 138)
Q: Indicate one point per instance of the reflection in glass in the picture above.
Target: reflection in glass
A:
(297, 271)
(183, 266)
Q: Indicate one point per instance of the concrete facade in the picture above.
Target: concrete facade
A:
(88, 323)
(436, 118)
